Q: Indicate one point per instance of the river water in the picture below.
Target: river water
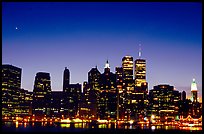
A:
(86, 127)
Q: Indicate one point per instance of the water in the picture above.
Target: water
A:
(87, 127)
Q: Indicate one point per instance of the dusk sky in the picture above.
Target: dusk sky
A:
(51, 36)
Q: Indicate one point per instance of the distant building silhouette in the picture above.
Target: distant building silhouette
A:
(183, 96)
(66, 79)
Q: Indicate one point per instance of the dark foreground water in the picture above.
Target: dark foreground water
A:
(89, 127)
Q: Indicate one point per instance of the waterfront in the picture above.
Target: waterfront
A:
(89, 127)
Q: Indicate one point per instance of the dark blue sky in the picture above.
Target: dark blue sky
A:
(51, 36)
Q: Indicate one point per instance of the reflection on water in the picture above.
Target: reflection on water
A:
(84, 126)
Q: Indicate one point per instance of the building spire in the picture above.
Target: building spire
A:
(194, 85)
(140, 53)
(107, 64)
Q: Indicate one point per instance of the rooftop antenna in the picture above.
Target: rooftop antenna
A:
(140, 51)
(107, 64)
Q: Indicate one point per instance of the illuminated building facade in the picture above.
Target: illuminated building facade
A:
(93, 78)
(25, 102)
(139, 102)
(58, 104)
(196, 111)
(41, 94)
(127, 64)
(89, 102)
(120, 93)
(139, 96)
(66, 79)
(194, 91)
(163, 102)
(108, 96)
(11, 84)
(28, 101)
(185, 108)
(94, 92)
(140, 72)
(84, 106)
(128, 84)
(73, 96)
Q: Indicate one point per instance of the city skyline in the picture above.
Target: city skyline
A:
(80, 36)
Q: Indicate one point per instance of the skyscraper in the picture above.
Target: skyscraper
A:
(120, 93)
(107, 103)
(85, 104)
(57, 104)
(139, 96)
(93, 78)
(140, 70)
(127, 64)
(164, 102)
(196, 109)
(11, 84)
(73, 98)
(128, 84)
(94, 91)
(66, 79)
(41, 94)
(194, 91)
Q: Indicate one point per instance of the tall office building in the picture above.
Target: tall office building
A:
(66, 79)
(194, 91)
(128, 84)
(196, 106)
(85, 104)
(164, 102)
(120, 93)
(58, 104)
(94, 92)
(140, 72)
(139, 96)
(107, 104)
(28, 102)
(11, 84)
(41, 94)
(127, 64)
(93, 78)
(73, 98)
